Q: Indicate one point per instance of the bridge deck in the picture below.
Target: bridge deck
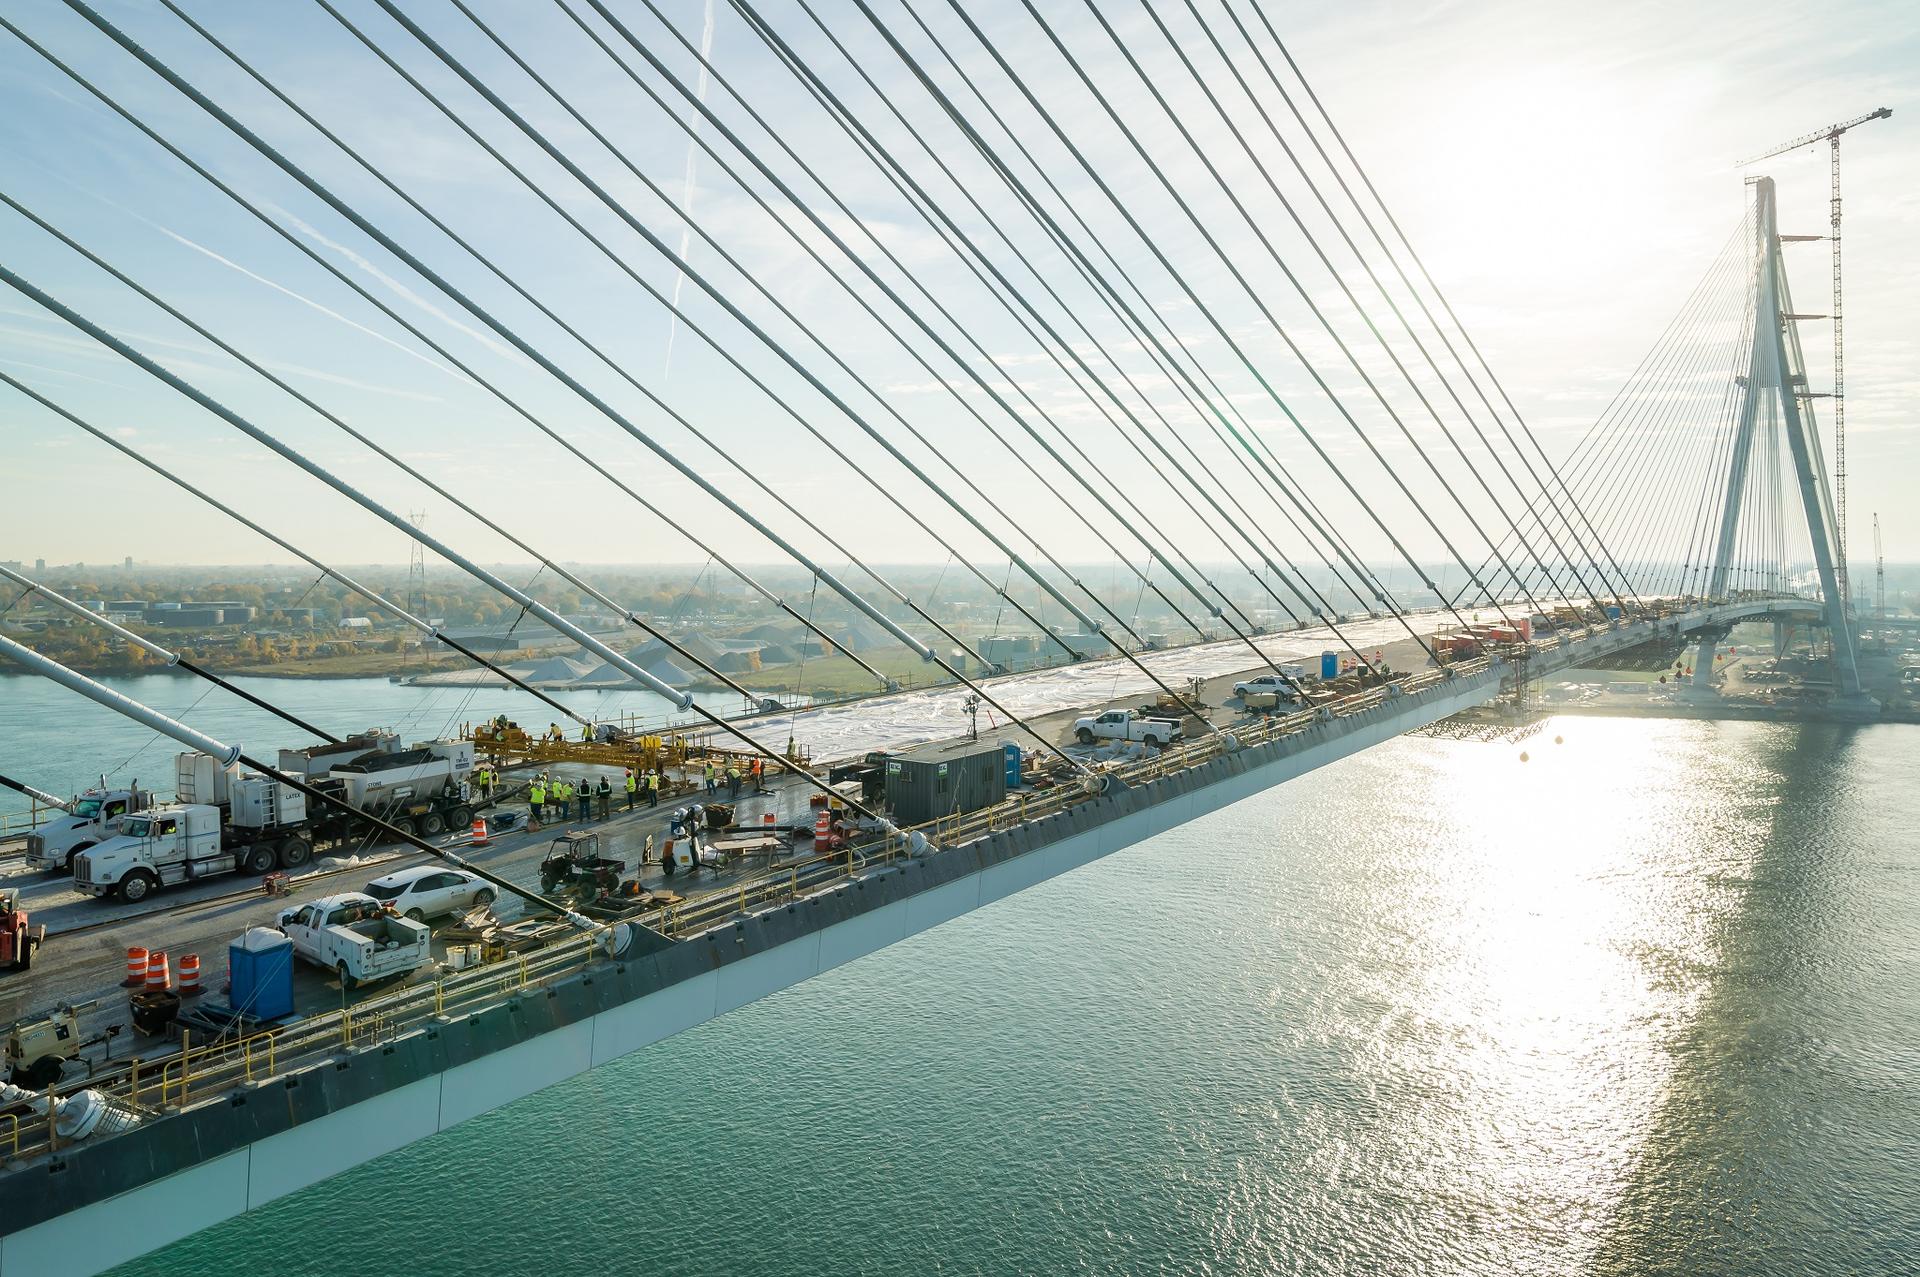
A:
(1144, 797)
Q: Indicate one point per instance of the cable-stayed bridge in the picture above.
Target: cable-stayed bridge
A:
(1084, 283)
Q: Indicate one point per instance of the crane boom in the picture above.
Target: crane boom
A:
(1827, 134)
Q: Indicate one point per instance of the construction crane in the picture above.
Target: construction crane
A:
(1879, 574)
(1831, 135)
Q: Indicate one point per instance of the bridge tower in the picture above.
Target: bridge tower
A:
(1773, 382)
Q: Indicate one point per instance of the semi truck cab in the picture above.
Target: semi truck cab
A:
(93, 816)
(162, 846)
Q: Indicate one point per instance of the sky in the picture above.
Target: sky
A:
(1566, 171)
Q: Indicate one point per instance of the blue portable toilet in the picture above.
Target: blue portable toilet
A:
(261, 965)
(1013, 764)
(1329, 665)
(1613, 612)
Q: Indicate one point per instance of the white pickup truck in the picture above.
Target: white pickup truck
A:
(1126, 724)
(357, 938)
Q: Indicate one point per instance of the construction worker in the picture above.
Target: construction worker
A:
(710, 778)
(553, 731)
(759, 772)
(586, 733)
(585, 793)
(733, 782)
(653, 788)
(632, 783)
(606, 798)
(537, 796)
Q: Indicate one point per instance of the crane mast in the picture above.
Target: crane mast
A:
(1831, 134)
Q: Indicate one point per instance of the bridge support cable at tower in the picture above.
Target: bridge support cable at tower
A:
(1619, 589)
(1233, 269)
(1643, 460)
(1773, 383)
(1406, 244)
(1543, 564)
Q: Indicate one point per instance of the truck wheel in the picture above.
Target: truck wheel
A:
(294, 852)
(1153, 742)
(137, 886)
(346, 977)
(404, 824)
(1085, 735)
(432, 825)
(66, 866)
(258, 858)
(460, 817)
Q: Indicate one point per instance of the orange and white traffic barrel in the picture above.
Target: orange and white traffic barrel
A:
(157, 970)
(136, 968)
(189, 975)
(479, 831)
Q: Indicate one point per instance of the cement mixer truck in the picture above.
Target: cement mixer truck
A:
(229, 821)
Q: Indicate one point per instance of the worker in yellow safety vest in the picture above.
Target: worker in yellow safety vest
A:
(633, 783)
(586, 733)
(537, 796)
(653, 788)
(710, 778)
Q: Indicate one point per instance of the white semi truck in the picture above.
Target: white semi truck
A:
(227, 820)
(90, 817)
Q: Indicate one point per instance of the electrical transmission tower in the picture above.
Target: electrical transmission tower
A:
(416, 566)
(1831, 135)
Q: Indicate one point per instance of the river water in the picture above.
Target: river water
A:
(1642, 1003)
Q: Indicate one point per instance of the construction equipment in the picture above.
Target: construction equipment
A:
(18, 937)
(573, 864)
(1831, 135)
(38, 1049)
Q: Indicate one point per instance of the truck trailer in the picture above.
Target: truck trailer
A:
(227, 821)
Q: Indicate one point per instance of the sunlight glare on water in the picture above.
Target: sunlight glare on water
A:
(1642, 1003)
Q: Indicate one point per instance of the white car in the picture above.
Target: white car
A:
(1283, 687)
(425, 891)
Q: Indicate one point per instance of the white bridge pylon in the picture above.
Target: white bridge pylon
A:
(1772, 383)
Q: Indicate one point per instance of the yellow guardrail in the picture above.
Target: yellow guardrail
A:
(13, 1133)
(221, 1063)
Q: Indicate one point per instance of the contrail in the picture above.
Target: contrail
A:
(686, 189)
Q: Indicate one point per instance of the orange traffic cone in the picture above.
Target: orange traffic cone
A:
(189, 986)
